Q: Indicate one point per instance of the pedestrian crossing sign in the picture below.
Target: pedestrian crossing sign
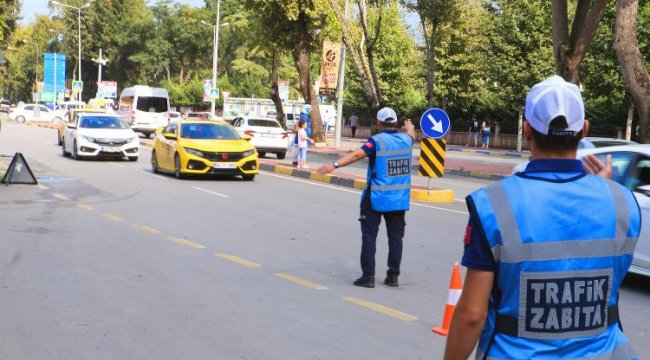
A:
(77, 85)
(214, 93)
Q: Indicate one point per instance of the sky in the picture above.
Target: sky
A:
(33, 7)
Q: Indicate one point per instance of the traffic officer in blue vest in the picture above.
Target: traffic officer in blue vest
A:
(387, 193)
(547, 249)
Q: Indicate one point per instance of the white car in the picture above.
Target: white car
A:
(61, 110)
(630, 168)
(31, 112)
(267, 135)
(100, 135)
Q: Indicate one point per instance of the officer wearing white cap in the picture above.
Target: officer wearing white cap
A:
(547, 249)
(387, 193)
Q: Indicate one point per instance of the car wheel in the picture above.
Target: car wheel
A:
(281, 155)
(63, 152)
(177, 167)
(248, 177)
(133, 158)
(154, 162)
(75, 154)
(261, 154)
(20, 119)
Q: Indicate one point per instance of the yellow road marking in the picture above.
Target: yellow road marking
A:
(238, 260)
(300, 281)
(43, 187)
(61, 197)
(381, 309)
(186, 242)
(113, 217)
(146, 228)
(84, 206)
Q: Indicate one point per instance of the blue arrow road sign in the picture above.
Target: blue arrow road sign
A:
(435, 123)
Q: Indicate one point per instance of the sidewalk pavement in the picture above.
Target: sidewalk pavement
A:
(482, 163)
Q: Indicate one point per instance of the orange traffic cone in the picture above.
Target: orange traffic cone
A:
(455, 288)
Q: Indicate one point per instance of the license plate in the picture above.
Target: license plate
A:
(268, 135)
(111, 149)
(224, 166)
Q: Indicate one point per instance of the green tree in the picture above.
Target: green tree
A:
(295, 25)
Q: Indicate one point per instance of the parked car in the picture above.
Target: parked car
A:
(631, 168)
(267, 135)
(290, 120)
(31, 112)
(202, 115)
(5, 105)
(100, 135)
(201, 147)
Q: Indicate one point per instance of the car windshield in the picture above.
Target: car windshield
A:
(208, 131)
(102, 122)
(263, 123)
(152, 104)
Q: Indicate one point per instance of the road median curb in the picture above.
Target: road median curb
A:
(417, 193)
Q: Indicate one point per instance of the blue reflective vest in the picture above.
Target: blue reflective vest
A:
(390, 175)
(562, 249)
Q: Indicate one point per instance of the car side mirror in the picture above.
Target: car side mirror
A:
(169, 136)
(246, 137)
(645, 190)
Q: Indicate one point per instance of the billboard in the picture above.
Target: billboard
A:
(329, 70)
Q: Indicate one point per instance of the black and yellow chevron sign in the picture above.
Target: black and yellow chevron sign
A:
(432, 157)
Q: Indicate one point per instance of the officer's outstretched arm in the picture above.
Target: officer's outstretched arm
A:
(347, 159)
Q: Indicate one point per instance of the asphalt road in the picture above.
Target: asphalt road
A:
(105, 260)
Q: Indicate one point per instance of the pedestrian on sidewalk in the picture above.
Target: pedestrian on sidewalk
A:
(387, 193)
(303, 144)
(354, 122)
(485, 133)
(304, 116)
(473, 131)
(326, 121)
(547, 249)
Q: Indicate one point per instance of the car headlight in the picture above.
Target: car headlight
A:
(249, 153)
(88, 138)
(194, 152)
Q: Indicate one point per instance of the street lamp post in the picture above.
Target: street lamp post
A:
(79, 25)
(215, 52)
(35, 88)
(100, 61)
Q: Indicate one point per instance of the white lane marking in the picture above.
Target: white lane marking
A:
(154, 175)
(116, 164)
(61, 197)
(210, 192)
(358, 192)
(43, 187)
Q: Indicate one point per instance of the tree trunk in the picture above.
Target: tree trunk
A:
(632, 66)
(275, 94)
(358, 59)
(370, 48)
(570, 49)
(301, 59)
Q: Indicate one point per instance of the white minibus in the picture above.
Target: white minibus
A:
(144, 108)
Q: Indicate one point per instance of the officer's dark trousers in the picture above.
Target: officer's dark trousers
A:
(395, 224)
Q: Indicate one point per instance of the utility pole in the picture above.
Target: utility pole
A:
(100, 61)
(339, 91)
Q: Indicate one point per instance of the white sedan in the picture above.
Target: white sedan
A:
(100, 135)
(31, 112)
(631, 168)
(267, 135)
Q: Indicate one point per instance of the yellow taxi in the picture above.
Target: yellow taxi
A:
(199, 147)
